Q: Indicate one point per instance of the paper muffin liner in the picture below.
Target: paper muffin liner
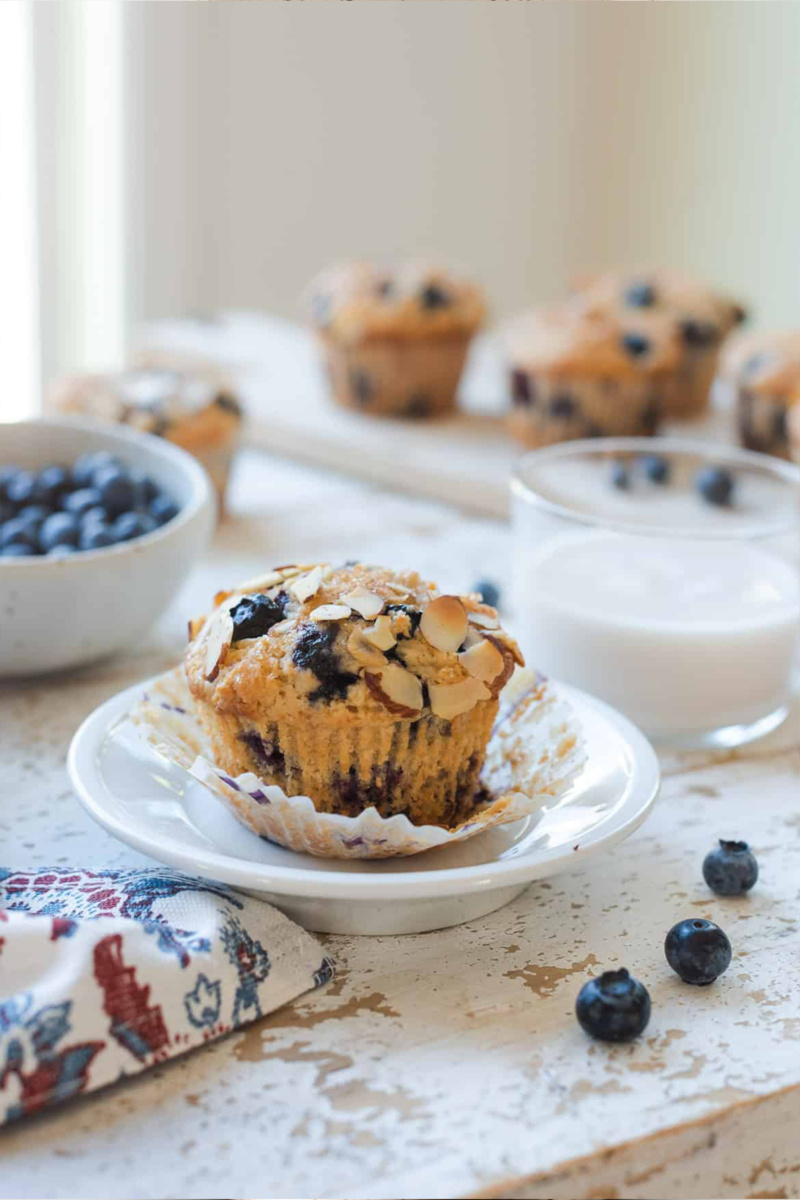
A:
(535, 752)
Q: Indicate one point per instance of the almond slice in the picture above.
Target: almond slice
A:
(195, 625)
(483, 661)
(509, 659)
(307, 585)
(260, 583)
(218, 638)
(367, 604)
(364, 651)
(381, 634)
(330, 612)
(504, 641)
(396, 689)
(444, 623)
(485, 619)
(449, 700)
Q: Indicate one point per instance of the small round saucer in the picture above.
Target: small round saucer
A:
(162, 811)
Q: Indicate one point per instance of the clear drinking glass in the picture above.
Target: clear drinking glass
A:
(681, 612)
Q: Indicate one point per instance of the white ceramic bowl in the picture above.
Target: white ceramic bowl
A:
(64, 612)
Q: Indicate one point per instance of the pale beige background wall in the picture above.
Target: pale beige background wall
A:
(523, 141)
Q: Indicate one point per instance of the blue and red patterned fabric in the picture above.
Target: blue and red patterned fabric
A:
(105, 973)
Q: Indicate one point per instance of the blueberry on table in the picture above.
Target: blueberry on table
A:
(620, 475)
(163, 508)
(117, 490)
(715, 484)
(655, 467)
(17, 550)
(614, 1007)
(731, 869)
(58, 529)
(489, 591)
(81, 501)
(698, 951)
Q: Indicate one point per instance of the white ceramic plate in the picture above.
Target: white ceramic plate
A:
(163, 812)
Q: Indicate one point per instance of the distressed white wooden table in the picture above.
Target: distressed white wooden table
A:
(446, 1064)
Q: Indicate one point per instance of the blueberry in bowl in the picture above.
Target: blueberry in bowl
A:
(82, 576)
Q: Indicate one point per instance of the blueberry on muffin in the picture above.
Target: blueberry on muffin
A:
(701, 317)
(577, 372)
(394, 340)
(358, 686)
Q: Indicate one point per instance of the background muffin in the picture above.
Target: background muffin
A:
(357, 687)
(195, 407)
(577, 372)
(701, 316)
(395, 340)
(763, 371)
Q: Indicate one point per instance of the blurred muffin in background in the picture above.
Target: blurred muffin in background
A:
(763, 371)
(187, 402)
(701, 316)
(578, 372)
(395, 339)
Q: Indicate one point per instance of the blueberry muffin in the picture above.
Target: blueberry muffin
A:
(194, 407)
(702, 318)
(577, 372)
(394, 340)
(763, 371)
(359, 687)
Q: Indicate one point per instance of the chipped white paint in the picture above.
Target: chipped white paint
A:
(446, 1064)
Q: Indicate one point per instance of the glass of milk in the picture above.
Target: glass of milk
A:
(682, 613)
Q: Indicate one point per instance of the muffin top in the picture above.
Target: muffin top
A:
(702, 316)
(576, 338)
(362, 300)
(764, 362)
(361, 643)
(151, 399)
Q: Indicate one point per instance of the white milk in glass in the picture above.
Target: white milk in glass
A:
(681, 635)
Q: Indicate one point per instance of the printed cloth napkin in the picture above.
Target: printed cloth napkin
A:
(105, 973)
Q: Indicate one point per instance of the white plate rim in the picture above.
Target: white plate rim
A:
(87, 781)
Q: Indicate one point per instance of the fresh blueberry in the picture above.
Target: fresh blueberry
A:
(129, 525)
(698, 333)
(614, 1008)
(697, 950)
(95, 537)
(17, 531)
(731, 869)
(58, 529)
(116, 488)
(163, 508)
(640, 295)
(94, 516)
(61, 550)
(620, 475)
(146, 490)
(563, 406)
(17, 550)
(80, 502)
(33, 515)
(314, 652)
(433, 296)
(489, 591)
(7, 473)
(255, 615)
(715, 485)
(636, 344)
(21, 489)
(6, 511)
(50, 483)
(87, 465)
(655, 467)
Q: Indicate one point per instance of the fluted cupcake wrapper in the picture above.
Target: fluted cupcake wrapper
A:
(534, 754)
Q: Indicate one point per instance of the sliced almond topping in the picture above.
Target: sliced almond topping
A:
(381, 634)
(364, 651)
(483, 661)
(485, 617)
(195, 625)
(260, 583)
(449, 700)
(396, 589)
(499, 682)
(307, 585)
(444, 623)
(218, 638)
(504, 641)
(330, 612)
(366, 603)
(397, 689)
